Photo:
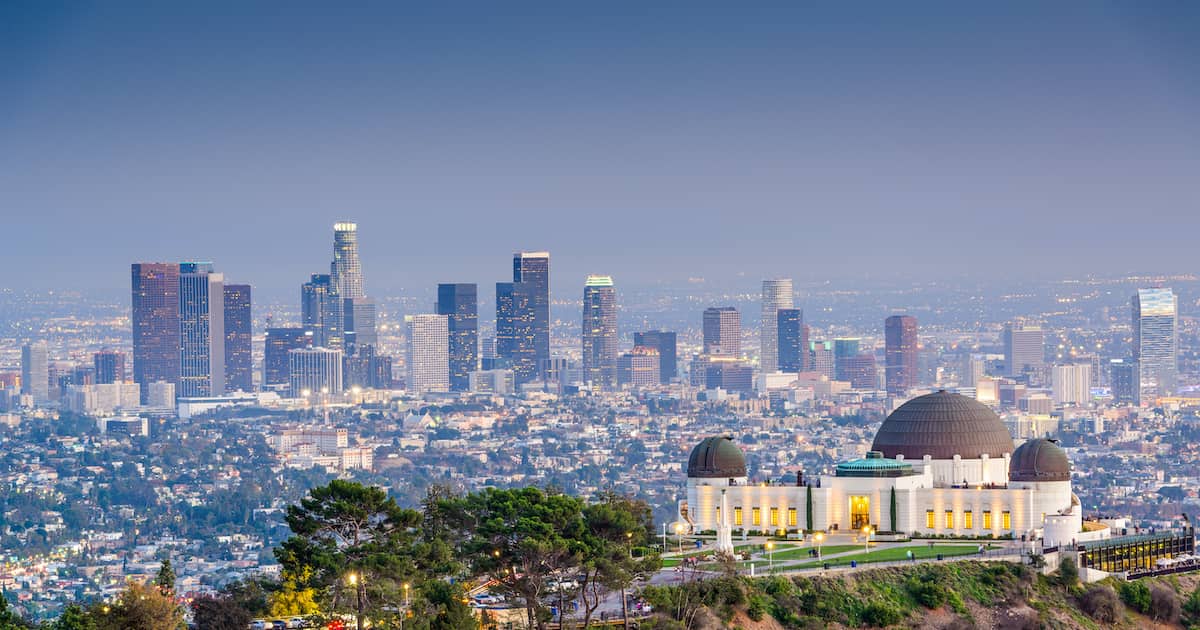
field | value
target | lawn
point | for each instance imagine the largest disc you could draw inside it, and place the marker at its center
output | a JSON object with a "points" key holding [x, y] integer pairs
{"points": [[892, 554], [802, 554]]}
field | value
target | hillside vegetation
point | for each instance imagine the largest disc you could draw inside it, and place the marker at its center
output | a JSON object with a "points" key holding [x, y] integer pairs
{"points": [[945, 595]]}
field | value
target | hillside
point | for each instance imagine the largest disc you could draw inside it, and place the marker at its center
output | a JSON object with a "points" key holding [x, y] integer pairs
{"points": [[950, 595]]}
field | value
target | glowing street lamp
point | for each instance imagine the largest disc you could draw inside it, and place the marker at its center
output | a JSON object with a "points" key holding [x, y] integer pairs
{"points": [[770, 556], [820, 537], [866, 530]]}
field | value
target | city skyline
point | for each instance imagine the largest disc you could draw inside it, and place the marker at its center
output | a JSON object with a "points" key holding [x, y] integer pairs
{"points": [[805, 117]]}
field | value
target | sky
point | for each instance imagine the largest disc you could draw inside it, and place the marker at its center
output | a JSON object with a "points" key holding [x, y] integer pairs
{"points": [[655, 142]]}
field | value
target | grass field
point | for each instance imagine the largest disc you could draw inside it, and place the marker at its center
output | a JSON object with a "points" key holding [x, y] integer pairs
{"points": [[802, 554], [893, 554]]}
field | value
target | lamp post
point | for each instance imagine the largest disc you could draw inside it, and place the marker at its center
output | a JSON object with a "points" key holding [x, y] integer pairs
{"points": [[819, 536], [679, 538], [770, 557], [624, 601], [866, 530], [358, 590]]}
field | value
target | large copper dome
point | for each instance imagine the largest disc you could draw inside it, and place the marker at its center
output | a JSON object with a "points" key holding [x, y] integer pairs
{"points": [[943, 425], [717, 457], [1039, 460]]}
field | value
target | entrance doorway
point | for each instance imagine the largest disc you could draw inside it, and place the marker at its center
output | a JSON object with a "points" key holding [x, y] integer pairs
{"points": [[860, 511]]}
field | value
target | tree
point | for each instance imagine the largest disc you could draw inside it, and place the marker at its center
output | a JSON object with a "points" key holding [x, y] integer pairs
{"points": [[520, 538], [139, 607], [10, 620], [1164, 604], [612, 528], [1101, 603], [165, 580], [295, 598], [72, 618], [1068, 573], [808, 508], [355, 536], [892, 510], [219, 613], [1136, 595], [444, 608]]}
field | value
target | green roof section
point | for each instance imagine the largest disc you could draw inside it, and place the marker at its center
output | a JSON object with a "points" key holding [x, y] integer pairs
{"points": [[874, 465], [599, 281]]}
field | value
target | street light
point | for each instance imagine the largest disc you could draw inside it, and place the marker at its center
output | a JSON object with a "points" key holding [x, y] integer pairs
{"points": [[770, 556], [866, 530], [819, 537], [358, 590], [679, 535]]}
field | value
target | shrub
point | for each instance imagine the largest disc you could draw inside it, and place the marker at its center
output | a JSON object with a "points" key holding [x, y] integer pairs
{"points": [[880, 615], [1101, 603], [759, 605], [927, 592], [1068, 572], [1136, 595], [1192, 607], [1164, 604]]}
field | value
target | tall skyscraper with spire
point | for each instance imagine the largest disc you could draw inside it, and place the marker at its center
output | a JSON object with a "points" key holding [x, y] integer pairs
{"points": [[600, 332], [155, 300], [1155, 341], [776, 294]]}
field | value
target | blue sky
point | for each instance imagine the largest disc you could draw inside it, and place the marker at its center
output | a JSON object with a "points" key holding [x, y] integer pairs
{"points": [[721, 140]]}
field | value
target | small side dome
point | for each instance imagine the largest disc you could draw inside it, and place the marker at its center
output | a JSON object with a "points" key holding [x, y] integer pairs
{"points": [[1039, 460], [716, 457]]}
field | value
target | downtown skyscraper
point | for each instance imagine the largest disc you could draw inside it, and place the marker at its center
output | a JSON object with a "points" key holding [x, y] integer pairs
{"points": [[722, 327], [792, 335], [335, 307], [1024, 348], [900, 354], [776, 294], [663, 342], [35, 371], [600, 332], [1155, 341], [201, 330], [428, 353], [523, 316], [460, 304], [155, 299], [239, 373]]}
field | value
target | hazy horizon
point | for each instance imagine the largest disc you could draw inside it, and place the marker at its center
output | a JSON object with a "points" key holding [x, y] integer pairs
{"points": [[652, 143]]}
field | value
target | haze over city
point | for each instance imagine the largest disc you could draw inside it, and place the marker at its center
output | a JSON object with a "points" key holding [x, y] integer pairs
{"points": [[652, 142]]}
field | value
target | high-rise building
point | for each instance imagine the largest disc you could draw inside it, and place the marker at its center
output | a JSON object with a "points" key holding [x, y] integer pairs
{"points": [[345, 272], [359, 321], [315, 371], [35, 371], [155, 288], [662, 341], [860, 371], [844, 349], [730, 375], [792, 340], [639, 367], [1024, 348], [322, 311], [776, 294], [1155, 341], [460, 303], [428, 353], [722, 331], [600, 332], [1071, 384], [201, 331], [900, 353], [1123, 379], [278, 343], [530, 295], [822, 360], [109, 366], [239, 370]]}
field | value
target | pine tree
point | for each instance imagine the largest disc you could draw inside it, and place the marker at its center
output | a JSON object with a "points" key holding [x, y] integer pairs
{"points": [[165, 580]]}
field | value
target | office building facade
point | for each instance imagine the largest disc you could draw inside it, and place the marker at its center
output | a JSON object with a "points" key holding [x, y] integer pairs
{"points": [[1024, 349], [600, 332], [239, 371], [900, 354], [277, 344], [792, 341], [201, 331], [722, 327], [109, 366], [460, 304], [639, 368], [776, 295], [1155, 341], [664, 342], [428, 353], [35, 371], [155, 320], [315, 371]]}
